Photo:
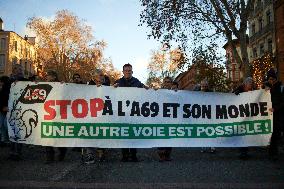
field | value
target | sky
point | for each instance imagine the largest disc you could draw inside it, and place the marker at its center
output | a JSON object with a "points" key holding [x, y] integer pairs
{"points": [[115, 21]]}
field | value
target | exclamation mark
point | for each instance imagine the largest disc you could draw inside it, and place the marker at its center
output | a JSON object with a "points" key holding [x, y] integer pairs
{"points": [[266, 127]]}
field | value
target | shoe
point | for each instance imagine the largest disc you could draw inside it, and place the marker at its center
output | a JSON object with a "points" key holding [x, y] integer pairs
{"points": [[124, 159], [203, 150], [212, 150], [90, 160], [102, 159]]}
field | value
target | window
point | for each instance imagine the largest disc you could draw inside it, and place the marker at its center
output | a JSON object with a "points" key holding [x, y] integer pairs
{"points": [[16, 46], [253, 28], [3, 44], [254, 52], [230, 74], [260, 23], [269, 45], [261, 49], [2, 62], [268, 16]]}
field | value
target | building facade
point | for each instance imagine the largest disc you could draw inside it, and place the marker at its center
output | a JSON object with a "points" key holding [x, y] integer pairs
{"points": [[186, 80], [234, 73], [15, 49], [279, 36], [261, 30], [199, 70]]}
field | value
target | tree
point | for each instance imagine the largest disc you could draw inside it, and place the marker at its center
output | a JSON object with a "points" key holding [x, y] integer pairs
{"points": [[164, 62], [208, 65], [66, 45], [200, 19]]}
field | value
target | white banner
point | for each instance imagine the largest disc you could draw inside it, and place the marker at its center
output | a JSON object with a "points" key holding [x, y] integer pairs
{"points": [[77, 115]]}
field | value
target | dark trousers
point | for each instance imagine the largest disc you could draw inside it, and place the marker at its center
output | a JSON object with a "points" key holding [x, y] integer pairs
{"points": [[275, 137], [16, 148], [129, 152], [50, 152], [274, 143], [166, 151]]}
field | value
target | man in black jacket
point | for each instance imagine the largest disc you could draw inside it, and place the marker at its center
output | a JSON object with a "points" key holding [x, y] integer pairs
{"points": [[77, 78], [5, 85], [129, 81], [277, 99]]}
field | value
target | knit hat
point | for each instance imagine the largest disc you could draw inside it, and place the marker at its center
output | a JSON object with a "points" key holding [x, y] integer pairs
{"points": [[271, 73]]}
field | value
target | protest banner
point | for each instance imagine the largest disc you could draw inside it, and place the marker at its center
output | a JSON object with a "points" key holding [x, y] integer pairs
{"points": [[75, 115]]}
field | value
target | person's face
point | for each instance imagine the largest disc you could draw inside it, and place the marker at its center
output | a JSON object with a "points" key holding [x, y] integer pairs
{"points": [[37, 78], [203, 86], [76, 79], [167, 84], [17, 70], [248, 87], [99, 78], [127, 72], [271, 81], [49, 78], [174, 87]]}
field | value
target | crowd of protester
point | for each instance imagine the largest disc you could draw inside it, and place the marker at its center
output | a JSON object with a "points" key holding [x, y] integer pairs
{"points": [[99, 79]]}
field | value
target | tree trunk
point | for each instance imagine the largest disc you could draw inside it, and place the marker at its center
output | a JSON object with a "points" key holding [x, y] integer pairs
{"points": [[245, 66]]}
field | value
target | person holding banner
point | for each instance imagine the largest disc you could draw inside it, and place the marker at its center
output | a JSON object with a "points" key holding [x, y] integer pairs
{"points": [[204, 87], [51, 76], [247, 85], [16, 148], [77, 79], [277, 99], [5, 85], [165, 152], [174, 86], [129, 154], [98, 79]]}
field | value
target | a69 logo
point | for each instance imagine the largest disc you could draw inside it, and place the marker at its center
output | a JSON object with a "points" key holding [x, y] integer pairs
{"points": [[35, 93]]}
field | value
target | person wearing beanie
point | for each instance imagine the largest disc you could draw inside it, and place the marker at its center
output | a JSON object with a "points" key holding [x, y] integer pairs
{"points": [[277, 99]]}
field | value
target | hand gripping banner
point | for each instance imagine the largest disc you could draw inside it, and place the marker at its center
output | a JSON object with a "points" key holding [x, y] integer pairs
{"points": [[77, 115]]}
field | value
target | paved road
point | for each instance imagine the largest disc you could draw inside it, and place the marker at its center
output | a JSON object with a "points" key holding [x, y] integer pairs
{"points": [[189, 169]]}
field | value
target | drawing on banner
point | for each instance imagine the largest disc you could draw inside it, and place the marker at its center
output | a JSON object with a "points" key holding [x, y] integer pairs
{"points": [[23, 121]]}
